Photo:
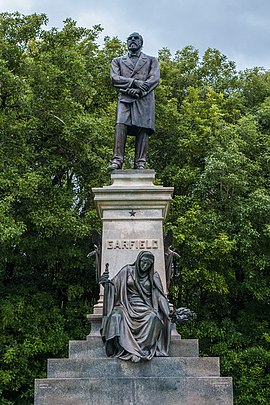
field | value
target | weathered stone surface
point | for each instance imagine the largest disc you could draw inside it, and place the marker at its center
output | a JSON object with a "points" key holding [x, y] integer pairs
{"points": [[157, 367], [132, 211], [84, 349], [93, 347], [184, 348], [136, 391]]}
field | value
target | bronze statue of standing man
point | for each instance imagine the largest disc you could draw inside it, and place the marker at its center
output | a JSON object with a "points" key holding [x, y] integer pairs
{"points": [[136, 75]]}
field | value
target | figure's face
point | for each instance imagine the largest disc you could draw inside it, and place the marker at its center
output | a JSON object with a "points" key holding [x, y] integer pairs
{"points": [[134, 42], [145, 264]]}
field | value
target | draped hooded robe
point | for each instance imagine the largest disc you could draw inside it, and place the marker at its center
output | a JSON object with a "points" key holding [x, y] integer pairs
{"points": [[136, 322]]}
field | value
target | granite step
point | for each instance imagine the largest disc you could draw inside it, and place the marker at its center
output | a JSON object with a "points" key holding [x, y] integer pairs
{"points": [[93, 347], [136, 391], [158, 367]]}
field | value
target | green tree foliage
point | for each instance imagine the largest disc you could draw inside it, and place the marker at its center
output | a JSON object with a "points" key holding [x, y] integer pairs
{"points": [[56, 132]]}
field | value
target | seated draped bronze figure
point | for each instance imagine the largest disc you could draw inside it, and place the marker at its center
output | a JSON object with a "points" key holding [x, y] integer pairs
{"points": [[136, 323]]}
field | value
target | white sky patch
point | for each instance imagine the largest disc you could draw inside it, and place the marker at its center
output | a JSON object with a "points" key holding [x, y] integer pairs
{"points": [[23, 6], [260, 23]]}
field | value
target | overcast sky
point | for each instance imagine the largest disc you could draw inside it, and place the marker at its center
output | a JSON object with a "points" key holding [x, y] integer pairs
{"points": [[240, 29]]}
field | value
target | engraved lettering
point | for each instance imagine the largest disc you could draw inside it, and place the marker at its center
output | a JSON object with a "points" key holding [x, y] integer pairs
{"points": [[155, 244], [142, 244], [125, 244], [109, 244], [117, 245], [132, 244]]}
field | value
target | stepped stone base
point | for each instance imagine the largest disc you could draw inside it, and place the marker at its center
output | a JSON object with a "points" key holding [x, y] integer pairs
{"points": [[93, 347], [88, 377], [135, 391], [157, 367]]}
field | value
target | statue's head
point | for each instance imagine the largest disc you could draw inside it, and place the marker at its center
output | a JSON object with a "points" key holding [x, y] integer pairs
{"points": [[146, 261], [134, 42]]}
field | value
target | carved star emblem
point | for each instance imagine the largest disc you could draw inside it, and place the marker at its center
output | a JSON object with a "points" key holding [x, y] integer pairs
{"points": [[132, 213]]}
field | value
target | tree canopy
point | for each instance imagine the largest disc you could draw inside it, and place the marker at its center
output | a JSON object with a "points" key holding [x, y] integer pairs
{"points": [[211, 144]]}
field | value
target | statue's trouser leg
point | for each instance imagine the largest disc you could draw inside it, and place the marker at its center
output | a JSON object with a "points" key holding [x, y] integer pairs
{"points": [[120, 137], [141, 146]]}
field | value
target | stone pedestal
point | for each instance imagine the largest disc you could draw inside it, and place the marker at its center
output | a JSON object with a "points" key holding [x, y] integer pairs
{"points": [[132, 210]]}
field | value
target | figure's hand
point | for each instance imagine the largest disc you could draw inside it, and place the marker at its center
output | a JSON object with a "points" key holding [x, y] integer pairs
{"points": [[140, 84], [104, 278], [134, 93]]}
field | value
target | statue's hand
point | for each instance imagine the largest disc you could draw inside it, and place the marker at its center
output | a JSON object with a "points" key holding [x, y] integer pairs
{"points": [[140, 84], [104, 278], [134, 93]]}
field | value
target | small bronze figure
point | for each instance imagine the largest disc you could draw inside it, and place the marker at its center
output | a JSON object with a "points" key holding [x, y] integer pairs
{"points": [[170, 256], [135, 75], [97, 242]]}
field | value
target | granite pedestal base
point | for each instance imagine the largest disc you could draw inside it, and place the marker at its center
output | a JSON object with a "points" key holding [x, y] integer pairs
{"points": [[87, 377]]}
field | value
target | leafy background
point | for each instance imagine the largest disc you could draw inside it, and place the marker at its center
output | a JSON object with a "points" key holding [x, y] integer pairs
{"points": [[211, 144]]}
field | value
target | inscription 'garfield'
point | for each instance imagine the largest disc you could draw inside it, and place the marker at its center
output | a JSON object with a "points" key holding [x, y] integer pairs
{"points": [[132, 244]]}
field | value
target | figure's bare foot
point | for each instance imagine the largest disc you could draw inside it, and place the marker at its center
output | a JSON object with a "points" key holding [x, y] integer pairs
{"points": [[161, 354], [135, 359], [145, 353]]}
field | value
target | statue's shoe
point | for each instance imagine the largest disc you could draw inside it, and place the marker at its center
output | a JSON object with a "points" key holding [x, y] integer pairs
{"points": [[139, 167], [114, 166]]}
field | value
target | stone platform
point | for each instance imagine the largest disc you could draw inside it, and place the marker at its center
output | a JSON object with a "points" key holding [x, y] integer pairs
{"points": [[88, 377]]}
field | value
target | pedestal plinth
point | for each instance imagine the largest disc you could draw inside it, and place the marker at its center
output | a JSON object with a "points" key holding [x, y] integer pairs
{"points": [[132, 210]]}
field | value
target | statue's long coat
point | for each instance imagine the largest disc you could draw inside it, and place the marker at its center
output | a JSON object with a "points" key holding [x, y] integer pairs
{"points": [[132, 111]]}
